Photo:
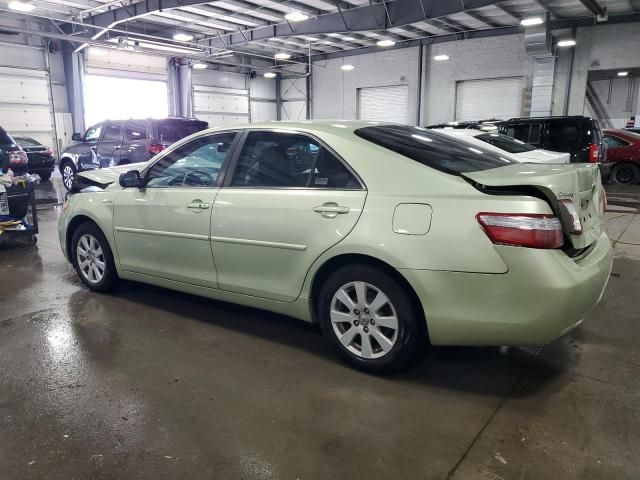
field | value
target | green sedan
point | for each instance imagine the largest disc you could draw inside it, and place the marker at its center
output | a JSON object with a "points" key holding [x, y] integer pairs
{"points": [[391, 237]]}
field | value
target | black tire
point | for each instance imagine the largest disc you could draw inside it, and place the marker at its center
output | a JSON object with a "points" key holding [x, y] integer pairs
{"points": [[625, 174], [409, 336], [45, 176], [68, 170], [109, 279]]}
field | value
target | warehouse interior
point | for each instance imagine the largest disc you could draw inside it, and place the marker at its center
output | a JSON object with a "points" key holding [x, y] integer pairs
{"points": [[148, 382]]}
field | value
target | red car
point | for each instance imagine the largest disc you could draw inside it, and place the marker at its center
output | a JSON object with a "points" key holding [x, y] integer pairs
{"points": [[623, 153]]}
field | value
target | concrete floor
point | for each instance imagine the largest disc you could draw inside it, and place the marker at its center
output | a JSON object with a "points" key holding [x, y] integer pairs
{"points": [[152, 384]]}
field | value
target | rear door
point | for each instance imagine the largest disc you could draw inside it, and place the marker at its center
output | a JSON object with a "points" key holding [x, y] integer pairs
{"points": [[108, 150], [287, 199], [134, 145]]}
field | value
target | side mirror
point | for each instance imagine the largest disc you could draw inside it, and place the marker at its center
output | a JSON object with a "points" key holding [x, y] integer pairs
{"points": [[130, 179], [76, 137]]}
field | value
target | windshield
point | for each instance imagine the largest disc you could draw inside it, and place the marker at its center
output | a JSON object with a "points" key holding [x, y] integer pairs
{"points": [[27, 142], [174, 130], [509, 144], [433, 149]]}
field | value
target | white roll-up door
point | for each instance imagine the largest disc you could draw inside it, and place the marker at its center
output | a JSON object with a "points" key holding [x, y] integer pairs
{"points": [[220, 106], [25, 104], [490, 98], [385, 104]]}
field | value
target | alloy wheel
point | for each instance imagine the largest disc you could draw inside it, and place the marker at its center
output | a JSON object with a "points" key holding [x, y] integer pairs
{"points": [[67, 176], [364, 320], [624, 174], [90, 258]]}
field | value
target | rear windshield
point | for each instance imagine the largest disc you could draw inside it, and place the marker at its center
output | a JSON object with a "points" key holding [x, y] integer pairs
{"points": [[5, 139], [174, 130], [27, 142], [505, 142], [433, 149]]}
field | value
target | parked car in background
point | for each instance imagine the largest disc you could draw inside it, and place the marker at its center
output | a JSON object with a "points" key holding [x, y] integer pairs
{"points": [[516, 149], [487, 125], [120, 142], [40, 157], [577, 135], [11, 154], [623, 155], [390, 236], [632, 130]]}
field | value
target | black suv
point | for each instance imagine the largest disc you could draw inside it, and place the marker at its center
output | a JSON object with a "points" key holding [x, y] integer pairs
{"points": [[118, 142], [580, 136]]}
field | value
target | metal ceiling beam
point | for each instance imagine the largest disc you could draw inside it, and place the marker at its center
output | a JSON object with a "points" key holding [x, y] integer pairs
{"points": [[594, 7]]}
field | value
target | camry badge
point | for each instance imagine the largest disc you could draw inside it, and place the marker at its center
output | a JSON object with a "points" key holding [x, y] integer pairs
{"points": [[565, 194]]}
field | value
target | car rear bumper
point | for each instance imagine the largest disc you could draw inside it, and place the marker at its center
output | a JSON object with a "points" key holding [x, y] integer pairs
{"points": [[543, 296]]}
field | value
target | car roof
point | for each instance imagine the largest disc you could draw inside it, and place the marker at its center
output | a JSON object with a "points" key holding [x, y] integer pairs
{"points": [[537, 119], [336, 127]]}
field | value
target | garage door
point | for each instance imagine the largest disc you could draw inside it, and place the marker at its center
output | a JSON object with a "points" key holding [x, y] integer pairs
{"points": [[220, 106], [25, 106], [491, 98], [386, 104]]}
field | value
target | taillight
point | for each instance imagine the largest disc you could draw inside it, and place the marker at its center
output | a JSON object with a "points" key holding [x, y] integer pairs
{"points": [[522, 230], [18, 157], [594, 153], [156, 148], [570, 216], [47, 152]]}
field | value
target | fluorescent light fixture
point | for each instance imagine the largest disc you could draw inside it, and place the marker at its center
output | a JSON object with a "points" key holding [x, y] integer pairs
{"points": [[200, 66], [385, 43], [441, 58], [269, 75], [282, 56], [183, 37], [129, 44], [98, 52], [623, 74], [531, 21], [21, 7], [347, 68], [296, 16], [566, 43]]}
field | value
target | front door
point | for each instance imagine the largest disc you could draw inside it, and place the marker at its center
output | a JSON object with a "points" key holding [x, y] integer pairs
{"points": [[163, 228], [288, 200]]}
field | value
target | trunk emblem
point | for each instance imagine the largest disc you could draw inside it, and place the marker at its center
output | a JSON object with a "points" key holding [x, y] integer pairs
{"points": [[565, 194]]}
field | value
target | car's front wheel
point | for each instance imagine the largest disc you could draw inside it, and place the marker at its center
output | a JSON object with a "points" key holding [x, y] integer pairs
{"points": [[92, 258], [68, 171], [370, 319]]}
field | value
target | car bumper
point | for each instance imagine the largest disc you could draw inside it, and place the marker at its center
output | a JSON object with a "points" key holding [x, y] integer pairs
{"points": [[46, 166], [544, 295]]}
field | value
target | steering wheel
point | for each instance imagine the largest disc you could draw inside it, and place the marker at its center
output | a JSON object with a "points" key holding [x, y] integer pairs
{"points": [[208, 179]]}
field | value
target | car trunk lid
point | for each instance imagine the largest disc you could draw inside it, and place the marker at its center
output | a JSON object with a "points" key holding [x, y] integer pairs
{"points": [[577, 182]]}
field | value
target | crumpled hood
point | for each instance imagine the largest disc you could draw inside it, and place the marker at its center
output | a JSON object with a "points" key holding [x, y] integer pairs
{"points": [[106, 176], [542, 156]]}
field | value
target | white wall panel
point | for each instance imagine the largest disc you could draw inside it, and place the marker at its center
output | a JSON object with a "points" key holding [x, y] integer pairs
{"points": [[489, 98], [262, 111], [220, 106], [294, 110]]}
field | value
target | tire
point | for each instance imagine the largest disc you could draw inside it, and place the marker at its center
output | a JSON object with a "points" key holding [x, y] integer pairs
{"points": [[68, 171], [625, 174], [45, 176], [90, 245], [371, 347]]}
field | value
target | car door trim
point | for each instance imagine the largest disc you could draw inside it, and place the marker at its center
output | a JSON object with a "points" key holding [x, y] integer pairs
{"points": [[260, 243], [161, 233]]}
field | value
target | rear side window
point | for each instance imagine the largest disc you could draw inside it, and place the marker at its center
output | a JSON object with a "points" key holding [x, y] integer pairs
{"points": [[113, 132], [174, 130], [505, 142], [614, 142], [563, 136], [525, 132], [135, 131], [433, 149]]}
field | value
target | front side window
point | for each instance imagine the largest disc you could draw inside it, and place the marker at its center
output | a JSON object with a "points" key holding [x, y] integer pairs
{"points": [[135, 131], [433, 149], [113, 132], [505, 142], [195, 164], [93, 133]]}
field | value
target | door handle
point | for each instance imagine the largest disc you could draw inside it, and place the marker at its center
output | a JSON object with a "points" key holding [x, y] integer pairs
{"points": [[331, 209], [198, 205]]}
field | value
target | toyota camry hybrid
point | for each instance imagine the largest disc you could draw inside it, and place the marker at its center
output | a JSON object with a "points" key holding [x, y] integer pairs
{"points": [[391, 237]]}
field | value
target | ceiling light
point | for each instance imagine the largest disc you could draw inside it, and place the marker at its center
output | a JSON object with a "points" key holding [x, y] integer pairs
{"points": [[269, 75], [347, 68], [530, 21], [21, 7], [200, 66], [441, 58], [385, 43], [566, 43], [295, 16], [183, 37], [282, 56], [623, 74]]}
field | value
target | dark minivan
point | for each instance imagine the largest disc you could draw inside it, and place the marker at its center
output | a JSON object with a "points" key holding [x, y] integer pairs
{"points": [[580, 136], [119, 142]]}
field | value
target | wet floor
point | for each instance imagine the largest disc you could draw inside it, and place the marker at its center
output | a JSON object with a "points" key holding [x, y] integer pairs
{"points": [[151, 384]]}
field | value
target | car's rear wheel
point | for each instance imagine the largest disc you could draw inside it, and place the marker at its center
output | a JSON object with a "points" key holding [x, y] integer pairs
{"points": [[68, 171], [92, 258], [369, 319], [626, 174]]}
